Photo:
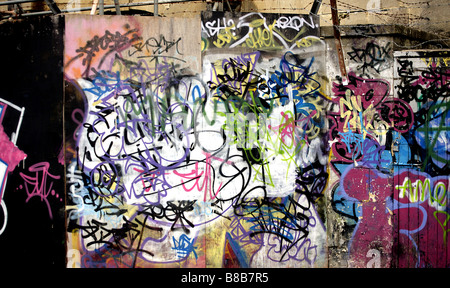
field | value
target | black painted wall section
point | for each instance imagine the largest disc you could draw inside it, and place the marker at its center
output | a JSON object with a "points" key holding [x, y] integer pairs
{"points": [[34, 197]]}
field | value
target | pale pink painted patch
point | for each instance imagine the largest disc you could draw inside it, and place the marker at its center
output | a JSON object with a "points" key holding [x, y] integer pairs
{"points": [[87, 33]]}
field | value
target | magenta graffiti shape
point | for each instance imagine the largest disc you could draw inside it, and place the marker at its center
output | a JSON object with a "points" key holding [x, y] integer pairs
{"points": [[397, 113], [404, 217], [373, 230], [434, 76], [207, 173], [421, 216], [39, 184]]}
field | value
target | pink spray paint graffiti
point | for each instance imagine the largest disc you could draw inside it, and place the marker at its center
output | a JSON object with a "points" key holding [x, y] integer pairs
{"points": [[38, 185]]}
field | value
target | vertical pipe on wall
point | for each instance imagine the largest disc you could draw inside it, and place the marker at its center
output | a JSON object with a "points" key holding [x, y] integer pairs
{"points": [[117, 5], [101, 7], [337, 40], [156, 7]]}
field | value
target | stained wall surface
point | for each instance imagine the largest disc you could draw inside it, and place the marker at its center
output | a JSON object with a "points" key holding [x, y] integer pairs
{"points": [[232, 140]]}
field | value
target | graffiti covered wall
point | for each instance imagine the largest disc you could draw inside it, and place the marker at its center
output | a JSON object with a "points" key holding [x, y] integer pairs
{"points": [[226, 140], [131, 150], [32, 214], [265, 73], [421, 179], [245, 148]]}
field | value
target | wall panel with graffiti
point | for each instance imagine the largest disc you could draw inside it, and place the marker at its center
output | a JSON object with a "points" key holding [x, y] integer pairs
{"points": [[132, 142], [223, 140], [32, 215], [389, 160], [421, 199], [186, 159], [265, 74]]}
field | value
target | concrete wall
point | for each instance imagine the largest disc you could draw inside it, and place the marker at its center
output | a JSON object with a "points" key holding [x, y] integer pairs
{"points": [[256, 152], [226, 140], [407, 94]]}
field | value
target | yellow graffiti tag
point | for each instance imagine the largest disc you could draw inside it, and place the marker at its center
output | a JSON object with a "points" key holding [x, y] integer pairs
{"points": [[306, 42], [421, 190], [357, 119], [225, 36], [436, 61]]}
